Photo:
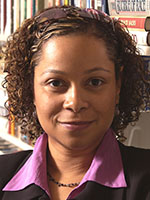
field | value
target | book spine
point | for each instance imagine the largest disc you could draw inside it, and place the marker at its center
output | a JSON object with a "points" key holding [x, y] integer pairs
{"points": [[133, 22], [88, 4], [71, 2], [98, 4], [66, 2], [22, 8], [36, 5], [2, 17], [50, 3], [8, 18], [45, 3], [93, 3], [128, 8], [40, 5], [25, 9], [5, 14], [12, 16], [77, 3], [140, 37], [57, 2], [16, 14], [33, 7], [29, 8]]}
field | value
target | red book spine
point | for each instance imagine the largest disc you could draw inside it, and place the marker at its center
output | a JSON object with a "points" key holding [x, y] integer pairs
{"points": [[133, 22]]}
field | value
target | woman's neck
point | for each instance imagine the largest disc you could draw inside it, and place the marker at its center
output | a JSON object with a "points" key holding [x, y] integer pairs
{"points": [[65, 164]]}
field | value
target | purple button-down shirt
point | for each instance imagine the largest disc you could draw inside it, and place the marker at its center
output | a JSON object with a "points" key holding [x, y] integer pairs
{"points": [[106, 167]]}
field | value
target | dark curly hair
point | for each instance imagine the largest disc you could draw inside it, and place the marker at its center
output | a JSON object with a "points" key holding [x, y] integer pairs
{"points": [[23, 50]]}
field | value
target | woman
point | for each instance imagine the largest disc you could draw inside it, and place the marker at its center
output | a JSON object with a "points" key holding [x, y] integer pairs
{"points": [[75, 81]]}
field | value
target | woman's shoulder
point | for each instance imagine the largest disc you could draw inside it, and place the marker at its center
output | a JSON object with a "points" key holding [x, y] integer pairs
{"points": [[135, 160], [131, 151], [16, 157], [11, 163]]}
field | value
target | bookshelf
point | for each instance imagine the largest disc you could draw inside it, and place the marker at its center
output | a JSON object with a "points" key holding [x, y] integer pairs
{"points": [[12, 15], [14, 12], [133, 14]]}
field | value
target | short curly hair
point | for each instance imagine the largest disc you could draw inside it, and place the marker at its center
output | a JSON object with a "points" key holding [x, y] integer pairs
{"points": [[23, 50]]}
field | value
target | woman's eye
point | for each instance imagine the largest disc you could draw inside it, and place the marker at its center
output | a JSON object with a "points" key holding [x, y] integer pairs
{"points": [[95, 82], [56, 83]]}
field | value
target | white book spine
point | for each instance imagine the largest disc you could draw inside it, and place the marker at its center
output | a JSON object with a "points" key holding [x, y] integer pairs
{"points": [[8, 17], [29, 8], [140, 37], [2, 17], [99, 4], [77, 3], [46, 3], [22, 11], [95, 5], [16, 14], [89, 4]]}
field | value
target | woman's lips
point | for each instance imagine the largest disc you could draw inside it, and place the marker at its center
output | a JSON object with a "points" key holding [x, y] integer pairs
{"points": [[76, 125]]}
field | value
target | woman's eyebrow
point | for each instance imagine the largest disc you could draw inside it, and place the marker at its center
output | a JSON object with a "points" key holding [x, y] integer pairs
{"points": [[53, 71], [86, 72], [97, 69]]}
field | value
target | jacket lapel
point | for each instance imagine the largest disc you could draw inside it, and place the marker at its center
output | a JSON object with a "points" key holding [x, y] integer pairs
{"points": [[31, 192]]}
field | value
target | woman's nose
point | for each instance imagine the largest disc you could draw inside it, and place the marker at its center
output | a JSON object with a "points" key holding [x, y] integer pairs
{"points": [[75, 100]]}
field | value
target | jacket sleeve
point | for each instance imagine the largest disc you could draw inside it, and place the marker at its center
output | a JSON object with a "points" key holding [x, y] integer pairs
{"points": [[10, 164]]}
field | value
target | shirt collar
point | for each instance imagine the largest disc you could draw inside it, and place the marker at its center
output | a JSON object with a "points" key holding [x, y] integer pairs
{"points": [[34, 171], [106, 167]]}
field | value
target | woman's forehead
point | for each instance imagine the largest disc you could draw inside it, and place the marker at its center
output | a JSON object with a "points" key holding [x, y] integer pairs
{"points": [[74, 52]]}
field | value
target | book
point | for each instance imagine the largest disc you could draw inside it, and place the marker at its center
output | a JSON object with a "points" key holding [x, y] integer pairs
{"points": [[0, 17], [136, 27], [46, 3], [148, 39], [147, 24], [50, 3], [83, 3], [129, 7], [3, 16], [36, 5], [33, 7], [66, 2], [58, 2], [132, 22], [77, 3], [29, 9], [100, 5], [89, 4], [22, 11], [40, 5], [71, 2], [8, 18], [5, 13], [16, 12], [25, 9]]}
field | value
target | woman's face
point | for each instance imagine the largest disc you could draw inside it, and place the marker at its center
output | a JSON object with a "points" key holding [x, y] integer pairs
{"points": [[75, 91]]}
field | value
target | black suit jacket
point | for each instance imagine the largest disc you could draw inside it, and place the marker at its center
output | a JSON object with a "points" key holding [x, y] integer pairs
{"points": [[136, 167]]}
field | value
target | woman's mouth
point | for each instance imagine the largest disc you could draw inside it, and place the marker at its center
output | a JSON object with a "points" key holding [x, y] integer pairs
{"points": [[76, 125]]}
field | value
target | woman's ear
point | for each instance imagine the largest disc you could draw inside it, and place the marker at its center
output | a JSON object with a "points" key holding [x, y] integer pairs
{"points": [[34, 102]]}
